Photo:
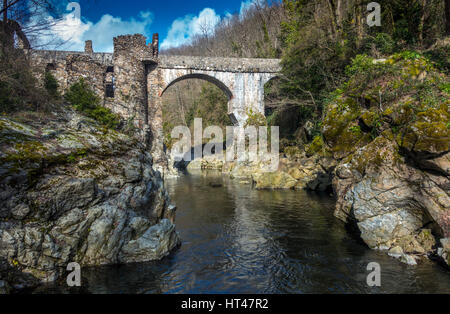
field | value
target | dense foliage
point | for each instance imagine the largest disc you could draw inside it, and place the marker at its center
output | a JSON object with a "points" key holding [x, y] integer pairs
{"points": [[83, 99], [322, 37]]}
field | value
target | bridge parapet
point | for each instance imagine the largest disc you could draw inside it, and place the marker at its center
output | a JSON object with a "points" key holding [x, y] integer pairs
{"points": [[233, 65]]}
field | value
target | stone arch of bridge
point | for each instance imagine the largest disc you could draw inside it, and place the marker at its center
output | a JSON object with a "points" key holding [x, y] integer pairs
{"points": [[204, 77], [267, 106]]}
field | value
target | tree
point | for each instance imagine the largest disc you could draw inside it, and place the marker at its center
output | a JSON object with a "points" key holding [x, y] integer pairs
{"points": [[252, 33], [29, 20], [19, 88]]}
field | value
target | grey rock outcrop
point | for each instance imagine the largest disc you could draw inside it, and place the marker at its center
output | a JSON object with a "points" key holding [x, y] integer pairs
{"points": [[392, 177], [71, 191], [393, 203]]}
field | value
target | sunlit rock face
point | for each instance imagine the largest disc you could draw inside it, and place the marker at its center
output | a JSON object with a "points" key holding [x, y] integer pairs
{"points": [[72, 191], [393, 163]]}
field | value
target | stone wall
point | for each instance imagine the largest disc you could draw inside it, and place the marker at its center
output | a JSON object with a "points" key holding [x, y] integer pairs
{"points": [[155, 87], [130, 99], [69, 66]]}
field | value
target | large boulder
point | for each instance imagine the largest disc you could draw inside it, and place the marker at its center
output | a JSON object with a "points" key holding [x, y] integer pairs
{"points": [[311, 173], [273, 180], [71, 191], [210, 162], [392, 174]]}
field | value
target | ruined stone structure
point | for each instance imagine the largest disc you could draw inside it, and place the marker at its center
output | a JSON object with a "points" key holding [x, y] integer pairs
{"points": [[132, 80], [11, 30]]}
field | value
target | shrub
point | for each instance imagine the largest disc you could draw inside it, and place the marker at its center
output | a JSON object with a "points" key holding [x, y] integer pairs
{"points": [[255, 118], [105, 116], [360, 64], [384, 43], [81, 96], [84, 100], [407, 55], [51, 84]]}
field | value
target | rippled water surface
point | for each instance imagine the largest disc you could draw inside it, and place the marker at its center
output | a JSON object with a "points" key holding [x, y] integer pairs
{"points": [[239, 240]]}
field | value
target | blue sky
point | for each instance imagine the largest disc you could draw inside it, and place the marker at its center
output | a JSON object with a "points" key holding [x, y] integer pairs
{"points": [[176, 21]]}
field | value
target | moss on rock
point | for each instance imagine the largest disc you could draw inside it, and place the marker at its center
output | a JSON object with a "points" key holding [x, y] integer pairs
{"points": [[403, 95], [316, 146], [380, 151], [429, 133]]}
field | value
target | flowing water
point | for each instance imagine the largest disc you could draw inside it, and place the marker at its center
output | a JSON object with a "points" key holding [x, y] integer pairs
{"points": [[239, 240]]}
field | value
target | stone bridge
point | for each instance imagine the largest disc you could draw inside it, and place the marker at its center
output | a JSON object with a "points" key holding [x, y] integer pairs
{"points": [[132, 80], [242, 80]]}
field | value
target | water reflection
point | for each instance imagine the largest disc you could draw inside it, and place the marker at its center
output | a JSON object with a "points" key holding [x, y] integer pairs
{"points": [[240, 240]]}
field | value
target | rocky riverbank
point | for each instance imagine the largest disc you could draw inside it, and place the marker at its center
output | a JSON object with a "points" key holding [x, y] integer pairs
{"points": [[390, 140], [383, 150], [387, 206], [294, 172], [74, 191]]}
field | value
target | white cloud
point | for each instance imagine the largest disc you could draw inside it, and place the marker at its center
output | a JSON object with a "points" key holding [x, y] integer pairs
{"points": [[245, 5], [184, 29], [74, 32]]}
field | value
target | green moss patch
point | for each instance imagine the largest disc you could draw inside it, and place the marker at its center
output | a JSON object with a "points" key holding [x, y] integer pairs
{"points": [[316, 146], [403, 99], [429, 133]]}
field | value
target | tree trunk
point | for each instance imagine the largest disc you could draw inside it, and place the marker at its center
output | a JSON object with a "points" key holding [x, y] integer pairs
{"points": [[339, 16], [447, 17], [422, 20], [359, 23], [5, 14], [332, 9]]}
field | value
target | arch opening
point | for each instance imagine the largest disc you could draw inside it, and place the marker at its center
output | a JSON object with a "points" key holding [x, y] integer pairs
{"points": [[190, 97], [204, 77], [288, 115], [271, 96], [50, 67]]}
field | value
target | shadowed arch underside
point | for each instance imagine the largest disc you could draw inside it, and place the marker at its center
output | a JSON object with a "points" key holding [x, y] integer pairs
{"points": [[204, 77]]}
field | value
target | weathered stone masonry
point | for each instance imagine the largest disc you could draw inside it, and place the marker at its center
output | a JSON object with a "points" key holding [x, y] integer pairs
{"points": [[132, 80]]}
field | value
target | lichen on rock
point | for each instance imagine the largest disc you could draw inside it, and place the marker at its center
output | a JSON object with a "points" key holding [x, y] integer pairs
{"points": [[390, 140], [72, 191]]}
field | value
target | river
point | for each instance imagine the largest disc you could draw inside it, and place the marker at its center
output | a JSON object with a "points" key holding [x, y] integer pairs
{"points": [[236, 239]]}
